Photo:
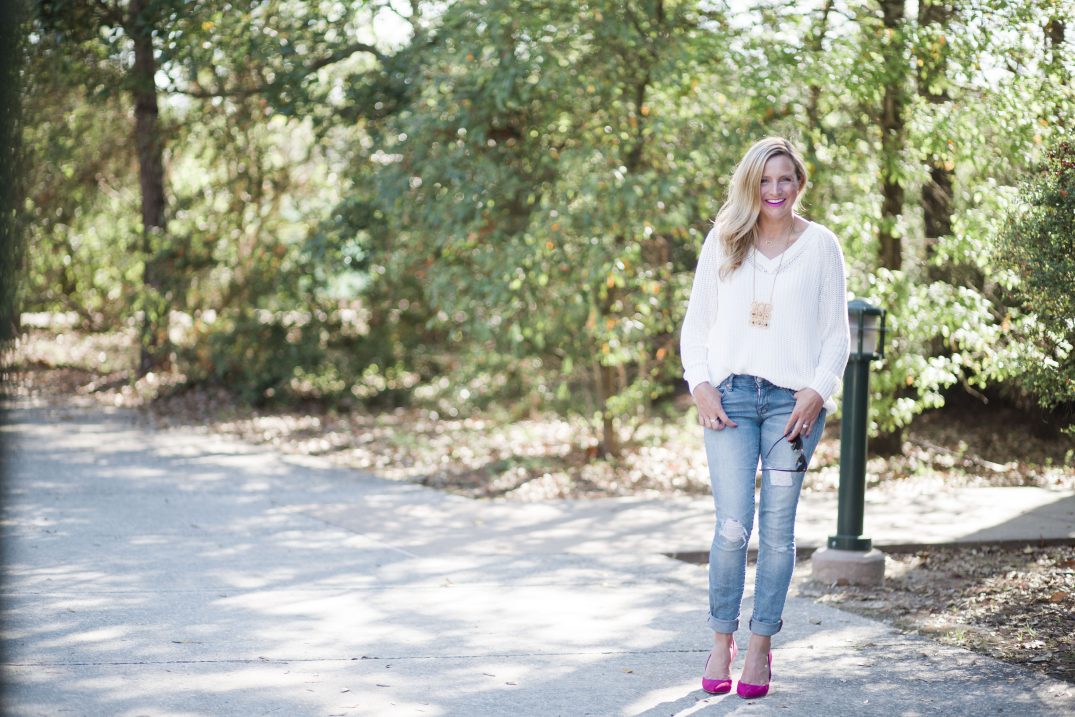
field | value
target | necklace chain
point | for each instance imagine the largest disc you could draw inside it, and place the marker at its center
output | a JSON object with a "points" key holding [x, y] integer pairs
{"points": [[762, 313]]}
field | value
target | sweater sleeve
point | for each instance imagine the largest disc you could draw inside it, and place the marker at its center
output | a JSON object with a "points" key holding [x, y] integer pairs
{"points": [[701, 312], [832, 322]]}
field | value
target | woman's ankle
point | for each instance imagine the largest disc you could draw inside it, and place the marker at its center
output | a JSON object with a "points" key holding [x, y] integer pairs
{"points": [[760, 643], [722, 639]]}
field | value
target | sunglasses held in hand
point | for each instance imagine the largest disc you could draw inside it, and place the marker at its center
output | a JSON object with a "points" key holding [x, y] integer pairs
{"points": [[797, 446]]}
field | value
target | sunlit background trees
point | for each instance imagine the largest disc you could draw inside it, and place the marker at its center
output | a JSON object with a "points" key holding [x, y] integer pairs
{"points": [[481, 201]]}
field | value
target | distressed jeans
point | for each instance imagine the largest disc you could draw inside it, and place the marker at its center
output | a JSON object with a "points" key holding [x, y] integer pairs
{"points": [[761, 409]]}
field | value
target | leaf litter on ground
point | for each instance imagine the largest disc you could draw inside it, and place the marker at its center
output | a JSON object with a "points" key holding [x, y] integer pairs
{"points": [[1013, 604]]}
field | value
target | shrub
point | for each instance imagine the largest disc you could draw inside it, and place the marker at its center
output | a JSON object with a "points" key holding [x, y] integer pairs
{"points": [[1037, 252]]}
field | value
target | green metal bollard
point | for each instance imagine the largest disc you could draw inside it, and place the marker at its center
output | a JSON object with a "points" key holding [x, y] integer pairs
{"points": [[867, 343]]}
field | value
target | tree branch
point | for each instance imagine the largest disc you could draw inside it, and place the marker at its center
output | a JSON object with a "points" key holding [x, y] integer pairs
{"points": [[110, 14], [342, 54], [332, 58]]}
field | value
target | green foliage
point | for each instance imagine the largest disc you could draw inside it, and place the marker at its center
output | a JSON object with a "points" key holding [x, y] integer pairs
{"points": [[937, 335], [263, 356], [1037, 248], [549, 215], [513, 201], [82, 203], [951, 323]]}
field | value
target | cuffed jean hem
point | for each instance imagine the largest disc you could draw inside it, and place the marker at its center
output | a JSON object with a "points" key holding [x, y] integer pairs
{"points": [[765, 629], [727, 627]]}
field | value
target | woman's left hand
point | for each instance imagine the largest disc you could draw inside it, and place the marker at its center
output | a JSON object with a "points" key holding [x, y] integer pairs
{"points": [[808, 404]]}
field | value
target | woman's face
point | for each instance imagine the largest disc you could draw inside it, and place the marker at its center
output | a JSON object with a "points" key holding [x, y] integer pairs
{"points": [[779, 187]]}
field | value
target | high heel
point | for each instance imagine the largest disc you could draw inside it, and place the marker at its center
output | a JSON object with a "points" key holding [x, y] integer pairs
{"points": [[748, 691], [720, 687]]}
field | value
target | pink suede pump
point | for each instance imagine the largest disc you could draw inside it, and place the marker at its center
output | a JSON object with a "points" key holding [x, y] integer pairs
{"points": [[749, 692], [720, 687]]}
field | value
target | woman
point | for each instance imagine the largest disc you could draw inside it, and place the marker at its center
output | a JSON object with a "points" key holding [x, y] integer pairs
{"points": [[764, 345]]}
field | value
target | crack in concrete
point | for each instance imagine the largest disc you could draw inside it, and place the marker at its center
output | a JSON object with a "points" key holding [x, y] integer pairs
{"points": [[286, 660]]}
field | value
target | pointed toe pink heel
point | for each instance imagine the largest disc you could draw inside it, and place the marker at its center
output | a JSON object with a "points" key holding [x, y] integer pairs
{"points": [[749, 692], [720, 687]]}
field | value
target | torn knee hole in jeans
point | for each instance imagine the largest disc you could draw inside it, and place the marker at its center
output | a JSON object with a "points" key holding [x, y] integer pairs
{"points": [[733, 534]]}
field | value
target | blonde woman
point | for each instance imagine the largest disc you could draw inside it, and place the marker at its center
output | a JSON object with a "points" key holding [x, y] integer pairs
{"points": [[764, 345]]}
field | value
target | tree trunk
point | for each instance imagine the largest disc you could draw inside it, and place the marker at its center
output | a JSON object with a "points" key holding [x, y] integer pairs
{"points": [[13, 31], [154, 338], [890, 252], [1055, 31], [610, 439], [1054, 34], [892, 135], [932, 86], [609, 378], [814, 46]]}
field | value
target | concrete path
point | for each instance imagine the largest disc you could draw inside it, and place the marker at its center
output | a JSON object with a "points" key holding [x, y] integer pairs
{"points": [[173, 573]]}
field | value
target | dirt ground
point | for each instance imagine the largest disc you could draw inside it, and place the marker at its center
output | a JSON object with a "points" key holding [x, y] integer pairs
{"points": [[1014, 604]]}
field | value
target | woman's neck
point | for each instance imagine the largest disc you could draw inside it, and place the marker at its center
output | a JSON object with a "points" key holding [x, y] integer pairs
{"points": [[773, 229]]}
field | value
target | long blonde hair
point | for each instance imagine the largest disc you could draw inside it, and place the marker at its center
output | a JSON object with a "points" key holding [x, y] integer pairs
{"points": [[737, 220]]}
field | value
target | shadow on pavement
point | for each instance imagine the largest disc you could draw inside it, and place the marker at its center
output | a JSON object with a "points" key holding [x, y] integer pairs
{"points": [[171, 572]]}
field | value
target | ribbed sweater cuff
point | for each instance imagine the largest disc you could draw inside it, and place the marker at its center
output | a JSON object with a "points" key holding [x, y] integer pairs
{"points": [[696, 375], [825, 383]]}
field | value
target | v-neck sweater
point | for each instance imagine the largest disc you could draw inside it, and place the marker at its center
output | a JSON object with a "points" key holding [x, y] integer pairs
{"points": [[807, 342]]}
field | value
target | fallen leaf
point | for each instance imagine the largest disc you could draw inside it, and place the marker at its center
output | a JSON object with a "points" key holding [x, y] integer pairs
{"points": [[1058, 596]]}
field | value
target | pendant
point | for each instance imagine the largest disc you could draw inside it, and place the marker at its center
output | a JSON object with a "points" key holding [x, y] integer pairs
{"points": [[760, 313]]}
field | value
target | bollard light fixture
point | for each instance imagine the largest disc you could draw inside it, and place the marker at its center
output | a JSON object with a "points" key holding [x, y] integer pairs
{"points": [[849, 555], [867, 324]]}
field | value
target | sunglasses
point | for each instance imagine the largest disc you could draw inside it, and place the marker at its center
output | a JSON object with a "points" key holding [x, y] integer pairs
{"points": [[797, 446]]}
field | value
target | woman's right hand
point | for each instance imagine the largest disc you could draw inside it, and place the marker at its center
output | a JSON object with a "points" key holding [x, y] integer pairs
{"points": [[710, 413]]}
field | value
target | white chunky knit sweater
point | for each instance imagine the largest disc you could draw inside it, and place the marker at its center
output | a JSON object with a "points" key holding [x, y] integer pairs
{"points": [[807, 342]]}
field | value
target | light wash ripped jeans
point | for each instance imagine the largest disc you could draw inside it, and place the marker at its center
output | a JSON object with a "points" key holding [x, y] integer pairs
{"points": [[761, 409]]}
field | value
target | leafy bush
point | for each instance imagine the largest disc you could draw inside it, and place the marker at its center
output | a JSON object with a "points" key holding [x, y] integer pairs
{"points": [[937, 335], [1037, 250], [254, 355], [265, 356]]}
